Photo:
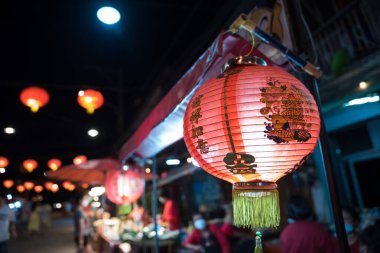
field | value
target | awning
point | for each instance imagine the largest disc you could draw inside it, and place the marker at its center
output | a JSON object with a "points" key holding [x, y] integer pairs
{"points": [[163, 126]]}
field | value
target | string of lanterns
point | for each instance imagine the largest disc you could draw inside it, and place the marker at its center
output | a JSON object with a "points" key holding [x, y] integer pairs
{"points": [[36, 97]]}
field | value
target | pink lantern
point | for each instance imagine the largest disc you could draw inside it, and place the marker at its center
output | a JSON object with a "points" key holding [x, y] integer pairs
{"points": [[125, 186]]}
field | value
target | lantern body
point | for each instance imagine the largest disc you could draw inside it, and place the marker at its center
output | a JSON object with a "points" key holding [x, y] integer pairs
{"points": [[28, 185], [48, 185], [251, 126], [20, 188], [54, 164], [90, 100], [3, 162], [54, 188], [68, 186], [80, 159], [8, 183], [85, 185], [34, 98], [30, 165], [125, 186], [38, 188]]}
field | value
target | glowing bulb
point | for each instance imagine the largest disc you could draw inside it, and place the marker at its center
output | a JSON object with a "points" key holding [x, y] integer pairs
{"points": [[9, 130], [108, 15], [81, 93], [148, 170], [172, 162], [2, 170], [188, 160], [363, 85], [93, 132]]}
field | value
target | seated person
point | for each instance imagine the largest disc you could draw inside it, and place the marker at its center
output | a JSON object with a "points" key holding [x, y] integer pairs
{"points": [[302, 234], [206, 238], [170, 217]]}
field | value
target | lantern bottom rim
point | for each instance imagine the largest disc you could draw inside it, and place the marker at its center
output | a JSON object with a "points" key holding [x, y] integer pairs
{"points": [[255, 186]]}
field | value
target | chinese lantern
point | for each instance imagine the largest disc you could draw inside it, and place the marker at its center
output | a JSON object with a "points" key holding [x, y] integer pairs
{"points": [[48, 185], [8, 183], [3, 162], [54, 188], [54, 164], [38, 188], [20, 188], [34, 98], [124, 186], [68, 186], [90, 100], [30, 165], [251, 126], [85, 185], [28, 185], [79, 159]]}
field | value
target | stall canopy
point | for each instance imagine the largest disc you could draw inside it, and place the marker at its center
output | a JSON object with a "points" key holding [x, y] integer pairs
{"points": [[163, 126]]}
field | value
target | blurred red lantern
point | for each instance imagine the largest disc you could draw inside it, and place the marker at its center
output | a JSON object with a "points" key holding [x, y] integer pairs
{"points": [[79, 159], [30, 165], [125, 186], [8, 183], [54, 188], [54, 164], [251, 126], [38, 188], [68, 186], [90, 100], [20, 188], [48, 185], [3, 162], [85, 185], [28, 185], [34, 98]]}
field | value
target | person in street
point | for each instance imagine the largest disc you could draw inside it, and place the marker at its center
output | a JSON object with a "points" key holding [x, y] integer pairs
{"points": [[7, 225], [206, 238], [302, 234], [170, 217], [34, 220], [83, 227], [45, 215]]}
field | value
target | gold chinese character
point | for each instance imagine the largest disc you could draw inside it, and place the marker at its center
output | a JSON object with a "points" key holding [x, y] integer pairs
{"points": [[196, 131], [195, 116], [196, 102]]}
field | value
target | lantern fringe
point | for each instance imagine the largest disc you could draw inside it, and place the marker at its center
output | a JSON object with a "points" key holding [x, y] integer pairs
{"points": [[256, 208]]}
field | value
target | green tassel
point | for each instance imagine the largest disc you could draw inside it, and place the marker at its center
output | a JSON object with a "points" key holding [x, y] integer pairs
{"points": [[259, 246], [256, 208]]}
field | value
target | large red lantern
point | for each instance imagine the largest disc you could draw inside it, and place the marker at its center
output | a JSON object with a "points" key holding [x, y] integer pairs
{"points": [[54, 164], [34, 97], [8, 183], [80, 159], [251, 126], [20, 188], [125, 186], [90, 100], [3, 162], [30, 165], [28, 185], [38, 188]]}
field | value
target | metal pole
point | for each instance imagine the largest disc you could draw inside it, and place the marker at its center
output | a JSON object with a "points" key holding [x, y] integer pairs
{"points": [[154, 204], [323, 148], [143, 200]]}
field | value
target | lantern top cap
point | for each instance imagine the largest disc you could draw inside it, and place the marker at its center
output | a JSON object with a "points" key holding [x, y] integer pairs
{"points": [[243, 60]]}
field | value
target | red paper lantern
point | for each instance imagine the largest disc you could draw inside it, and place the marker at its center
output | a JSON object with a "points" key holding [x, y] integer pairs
{"points": [[48, 185], [34, 98], [125, 186], [54, 164], [8, 183], [85, 185], [30, 165], [90, 100], [251, 126], [38, 188], [3, 162], [20, 188], [68, 186], [79, 159], [28, 185], [54, 188]]}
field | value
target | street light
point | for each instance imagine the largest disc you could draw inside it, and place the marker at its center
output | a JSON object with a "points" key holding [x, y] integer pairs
{"points": [[108, 15]]}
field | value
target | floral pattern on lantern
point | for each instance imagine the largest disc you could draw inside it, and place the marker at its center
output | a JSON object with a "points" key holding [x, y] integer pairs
{"points": [[8, 183], [54, 164], [125, 186], [251, 126], [90, 100], [30, 165], [34, 97]]}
